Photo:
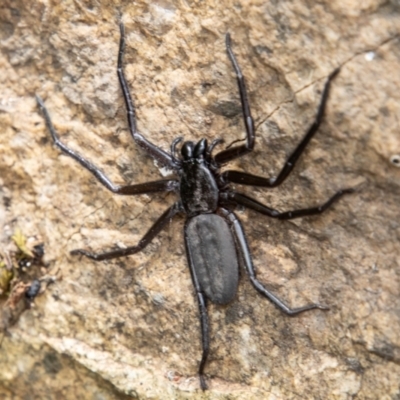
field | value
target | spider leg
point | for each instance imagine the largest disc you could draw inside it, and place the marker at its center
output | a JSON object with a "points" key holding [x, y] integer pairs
{"points": [[246, 201], [146, 239], [149, 187], [205, 337], [238, 151], [248, 263], [248, 179], [153, 150], [202, 303]]}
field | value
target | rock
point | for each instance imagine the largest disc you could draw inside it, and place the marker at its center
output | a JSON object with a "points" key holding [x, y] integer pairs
{"points": [[129, 328]]}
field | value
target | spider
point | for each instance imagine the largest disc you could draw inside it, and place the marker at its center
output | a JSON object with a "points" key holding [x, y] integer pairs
{"points": [[214, 237]]}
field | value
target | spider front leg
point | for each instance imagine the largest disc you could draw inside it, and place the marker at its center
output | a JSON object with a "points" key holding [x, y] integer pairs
{"points": [[165, 218], [254, 180], [238, 151], [142, 188], [154, 151]]}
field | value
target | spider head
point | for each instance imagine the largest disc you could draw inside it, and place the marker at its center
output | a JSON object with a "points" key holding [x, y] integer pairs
{"points": [[192, 152]]}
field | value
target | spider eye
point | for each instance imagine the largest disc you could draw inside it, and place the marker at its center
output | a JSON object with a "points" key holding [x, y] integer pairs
{"points": [[187, 150]]}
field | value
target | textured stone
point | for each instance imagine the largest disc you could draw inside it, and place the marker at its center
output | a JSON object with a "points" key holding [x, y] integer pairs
{"points": [[129, 328]]}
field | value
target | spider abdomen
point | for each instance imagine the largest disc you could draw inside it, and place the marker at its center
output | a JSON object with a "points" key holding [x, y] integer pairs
{"points": [[211, 248]]}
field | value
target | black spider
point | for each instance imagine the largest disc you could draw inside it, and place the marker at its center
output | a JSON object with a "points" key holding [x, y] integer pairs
{"points": [[214, 237]]}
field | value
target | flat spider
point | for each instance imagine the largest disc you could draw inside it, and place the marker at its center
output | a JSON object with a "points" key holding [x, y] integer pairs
{"points": [[214, 237]]}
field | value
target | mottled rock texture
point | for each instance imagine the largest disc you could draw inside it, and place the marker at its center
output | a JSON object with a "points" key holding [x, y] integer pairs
{"points": [[129, 328]]}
